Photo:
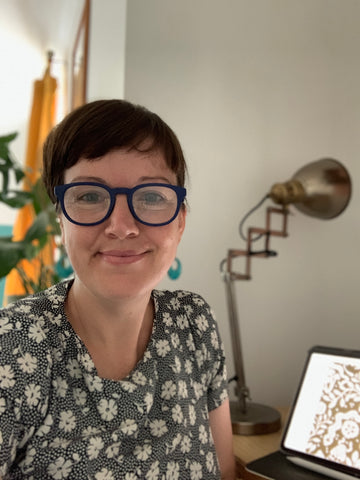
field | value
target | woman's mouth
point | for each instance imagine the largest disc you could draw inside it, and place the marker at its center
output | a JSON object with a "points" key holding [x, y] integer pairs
{"points": [[122, 257]]}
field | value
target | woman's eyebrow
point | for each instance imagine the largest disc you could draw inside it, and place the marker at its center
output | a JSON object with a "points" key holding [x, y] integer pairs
{"points": [[83, 178], [155, 177]]}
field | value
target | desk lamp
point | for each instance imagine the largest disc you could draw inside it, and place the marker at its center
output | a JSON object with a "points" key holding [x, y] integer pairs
{"points": [[320, 189]]}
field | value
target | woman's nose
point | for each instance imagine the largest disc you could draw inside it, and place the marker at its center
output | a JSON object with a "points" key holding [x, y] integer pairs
{"points": [[121, 222]]}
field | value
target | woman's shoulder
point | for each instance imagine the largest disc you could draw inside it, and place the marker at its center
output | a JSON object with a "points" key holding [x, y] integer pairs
{"points": [[186, 310], [177, 300], [30, 319]]}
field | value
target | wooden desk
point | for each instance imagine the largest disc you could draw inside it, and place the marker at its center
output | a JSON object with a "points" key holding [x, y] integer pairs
{"points": [[250, 447]]}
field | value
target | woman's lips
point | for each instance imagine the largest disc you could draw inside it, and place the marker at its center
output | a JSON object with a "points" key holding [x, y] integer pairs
{"points": [[118, 257]]}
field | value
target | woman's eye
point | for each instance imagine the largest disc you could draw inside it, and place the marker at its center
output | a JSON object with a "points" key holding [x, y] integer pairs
{"points": [[90, 197], [152, 198]]}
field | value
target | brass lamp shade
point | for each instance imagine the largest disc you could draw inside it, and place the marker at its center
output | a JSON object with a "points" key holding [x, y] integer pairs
{"points": [[320, 189]]}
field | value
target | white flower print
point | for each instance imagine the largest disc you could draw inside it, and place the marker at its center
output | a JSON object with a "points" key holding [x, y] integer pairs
{"points": [[139, 378], [128, 427], [60, 443], [158, 428], [2, 405], [55, 319], [202, 323], [104, 474], [94, 383], [203, 436], [190, 343], [210, 461], [171, 447], [87, 362], [27, 363], [174, 302], [23, 308], [177, 414], [61, 468], [44, 429], [131, 476], [176, 367], [73, 368], [167, 319], [67, 421], [168, 390], [94, 447], [183, 393], [90, 431], [148, 400], [182, 321], [195, 471], [186, 444], [198, 301], [107, 409], [154, 472], [199, 355], [192, 414], [60, 386], [5, 326], [172, 471], [156, 410], [79, 396], [29, 459], [6, 376], [143, 452], [128, 386], [188, 367], [175, 340], [214, 340], [36, 333], [198, 389], [162, 348], [33, 394], [113, 450]]}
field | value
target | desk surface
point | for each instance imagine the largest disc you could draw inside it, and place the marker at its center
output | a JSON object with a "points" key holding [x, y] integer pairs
{"points": [[250, 447]]}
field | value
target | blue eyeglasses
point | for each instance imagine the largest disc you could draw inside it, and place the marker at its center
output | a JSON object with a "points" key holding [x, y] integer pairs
{"points": [[89, 203]]}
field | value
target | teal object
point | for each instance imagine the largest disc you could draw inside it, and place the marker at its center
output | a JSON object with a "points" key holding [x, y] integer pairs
{"points": [[63, 267], [174, 271]]}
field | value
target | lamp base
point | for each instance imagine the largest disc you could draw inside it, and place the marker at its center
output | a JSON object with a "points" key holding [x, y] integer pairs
{"points": [[257, 420]]}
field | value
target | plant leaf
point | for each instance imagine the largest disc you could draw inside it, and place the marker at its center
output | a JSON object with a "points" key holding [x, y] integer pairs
{"points": [[10, 255], [39, 228]]}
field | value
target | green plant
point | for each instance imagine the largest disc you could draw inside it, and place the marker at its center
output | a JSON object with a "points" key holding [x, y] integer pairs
{"points": [[43, 229]]}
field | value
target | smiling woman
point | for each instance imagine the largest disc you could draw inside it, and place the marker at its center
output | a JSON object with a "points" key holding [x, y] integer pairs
{"points": [[122, 380]]}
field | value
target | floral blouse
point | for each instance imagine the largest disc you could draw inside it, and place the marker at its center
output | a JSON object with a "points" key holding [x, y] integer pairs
{"points": [[60, 420]]}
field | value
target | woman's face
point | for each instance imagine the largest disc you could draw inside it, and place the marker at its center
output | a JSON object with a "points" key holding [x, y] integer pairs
{"points": [[121, 257]]}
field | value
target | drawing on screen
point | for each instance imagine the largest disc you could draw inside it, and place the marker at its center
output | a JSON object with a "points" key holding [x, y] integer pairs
{"points": [[335, 433]]}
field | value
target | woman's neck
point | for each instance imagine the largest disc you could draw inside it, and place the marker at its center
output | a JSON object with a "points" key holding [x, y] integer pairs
{"points": [[116, 333]]}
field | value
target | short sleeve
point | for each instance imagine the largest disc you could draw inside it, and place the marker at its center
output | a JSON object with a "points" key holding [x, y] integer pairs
{"points": [[210, 354], [218, 387], [24, 382]]}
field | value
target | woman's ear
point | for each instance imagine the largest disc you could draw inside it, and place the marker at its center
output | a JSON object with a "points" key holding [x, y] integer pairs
{"points": [[182, 220]]}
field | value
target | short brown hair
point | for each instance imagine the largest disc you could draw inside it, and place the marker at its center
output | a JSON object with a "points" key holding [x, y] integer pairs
{"points": [[99, 127]]}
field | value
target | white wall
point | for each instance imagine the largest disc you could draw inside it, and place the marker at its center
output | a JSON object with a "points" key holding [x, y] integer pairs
{"points": [[28, 30], [255, 89], [22, 60], [106, 75]]}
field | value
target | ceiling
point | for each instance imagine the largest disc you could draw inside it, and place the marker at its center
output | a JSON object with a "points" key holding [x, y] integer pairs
{"points": [[53, 23]]}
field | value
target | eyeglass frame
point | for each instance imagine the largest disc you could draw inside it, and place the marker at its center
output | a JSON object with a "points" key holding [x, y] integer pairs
{"points": [[60, 190]]}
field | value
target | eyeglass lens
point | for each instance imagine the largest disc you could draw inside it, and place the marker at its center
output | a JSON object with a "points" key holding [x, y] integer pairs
{"points": [[88, 204]]}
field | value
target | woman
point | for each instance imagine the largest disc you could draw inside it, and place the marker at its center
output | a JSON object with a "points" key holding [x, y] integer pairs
{"points": [[102, 376]]}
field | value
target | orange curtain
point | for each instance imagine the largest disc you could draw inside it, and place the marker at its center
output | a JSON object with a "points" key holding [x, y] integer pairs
{"points": [[42, 119]]}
